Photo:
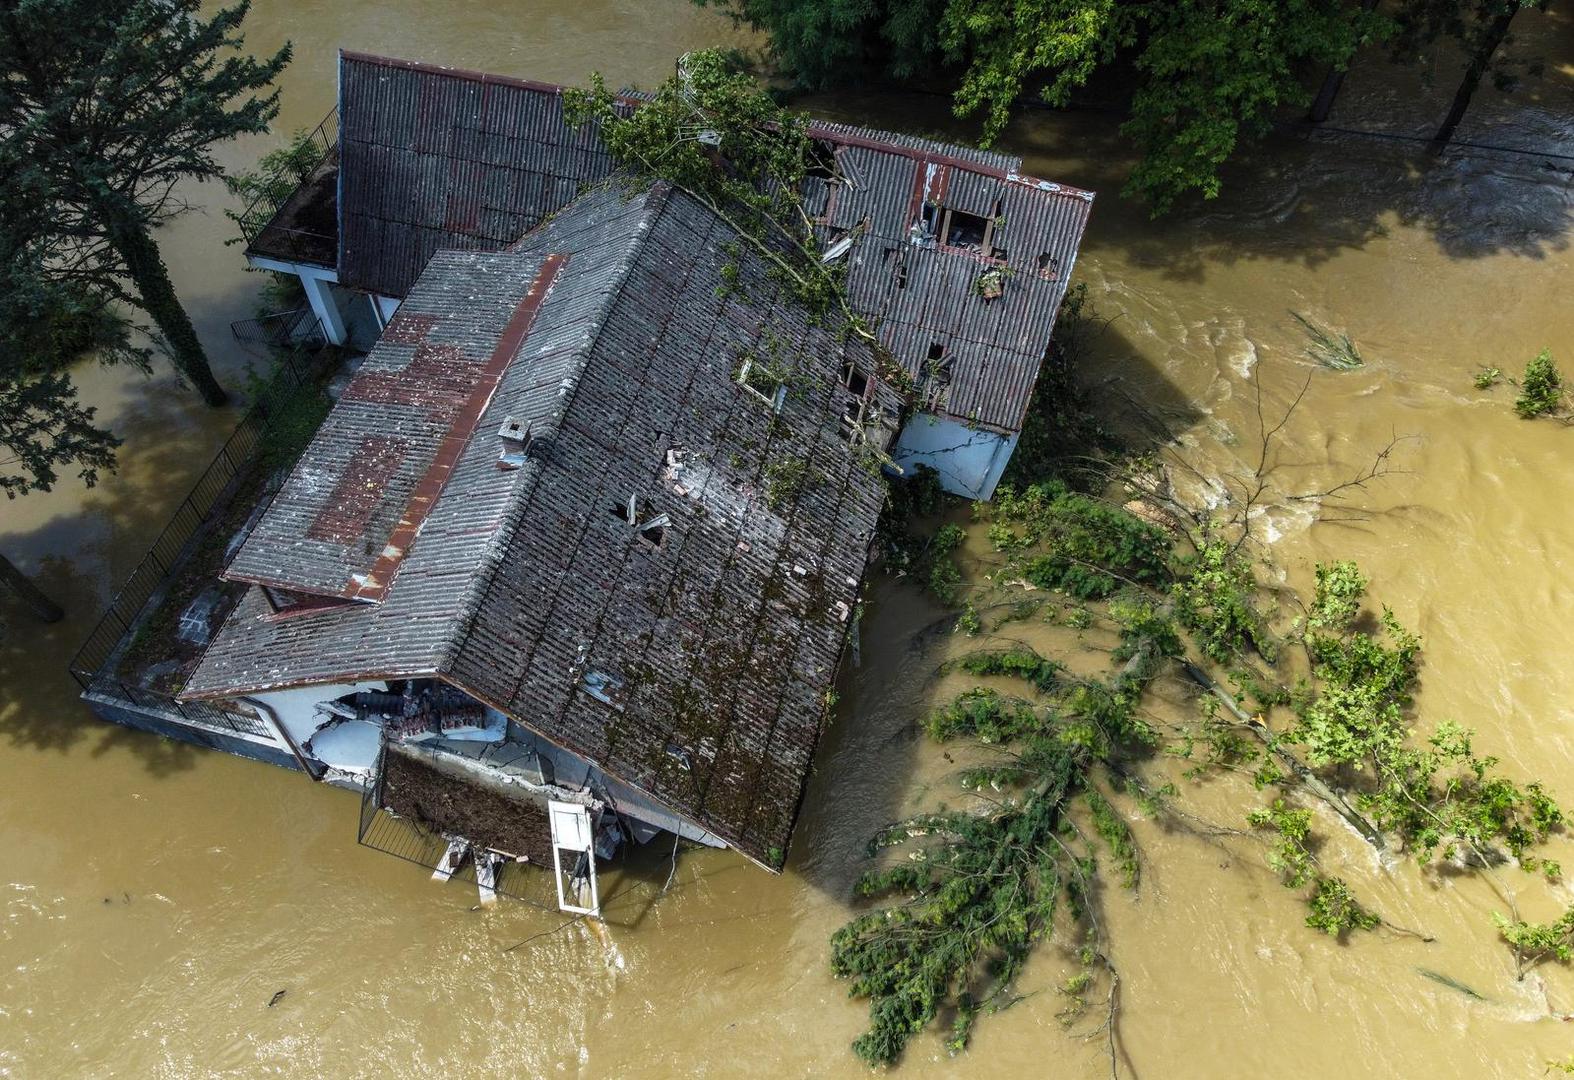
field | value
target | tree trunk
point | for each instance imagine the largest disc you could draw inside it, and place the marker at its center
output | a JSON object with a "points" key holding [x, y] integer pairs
{"points": [[1330, 88], [146, 267], [39, 604], [1493, 36]]}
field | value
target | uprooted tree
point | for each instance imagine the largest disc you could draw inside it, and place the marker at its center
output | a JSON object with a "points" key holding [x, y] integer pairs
{"points": [[105, 108], [1314, 712], [1060, 765]]}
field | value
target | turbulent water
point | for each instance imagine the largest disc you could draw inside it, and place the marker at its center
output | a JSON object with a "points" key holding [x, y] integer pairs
{"points": [[153, 898]]}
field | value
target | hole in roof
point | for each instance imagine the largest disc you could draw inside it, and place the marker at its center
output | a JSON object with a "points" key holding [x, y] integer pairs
{"points": [[964, 230], [901, 275], [821, 160], [1047, 263], [936, 350], [853, 379]]}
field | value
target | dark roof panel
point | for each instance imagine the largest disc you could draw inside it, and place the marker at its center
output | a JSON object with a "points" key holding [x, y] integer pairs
{"points": [[438, 158]]}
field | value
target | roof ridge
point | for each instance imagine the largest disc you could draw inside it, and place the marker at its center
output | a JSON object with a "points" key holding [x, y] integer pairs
{"points": [[834, 130], [492, 557]]}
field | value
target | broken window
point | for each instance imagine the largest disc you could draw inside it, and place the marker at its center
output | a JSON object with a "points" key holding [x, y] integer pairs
{"points": [[969, 232], [852, 425], [604, 687], [762, 382], [853, 379], [964, 230]]}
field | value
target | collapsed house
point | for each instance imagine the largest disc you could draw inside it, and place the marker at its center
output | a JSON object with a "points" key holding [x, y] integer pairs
{"points": [[557, 538], [958, 259]]}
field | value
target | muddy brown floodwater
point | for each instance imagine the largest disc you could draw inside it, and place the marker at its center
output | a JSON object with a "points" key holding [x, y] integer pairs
{"points": [[153, 898]]}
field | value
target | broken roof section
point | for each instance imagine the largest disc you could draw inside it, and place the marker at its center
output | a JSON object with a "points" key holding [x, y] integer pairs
{"points": [[442, 158], [686, 649]]}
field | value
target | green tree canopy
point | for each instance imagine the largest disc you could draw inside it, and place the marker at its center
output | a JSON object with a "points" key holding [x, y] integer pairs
{"points": [[1204, 73], [49, 322], [105, 106]]}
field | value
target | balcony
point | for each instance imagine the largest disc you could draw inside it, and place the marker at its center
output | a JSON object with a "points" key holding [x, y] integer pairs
{"points": [[294, 218]]}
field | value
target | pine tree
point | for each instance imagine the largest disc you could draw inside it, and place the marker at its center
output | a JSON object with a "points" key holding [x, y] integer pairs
{"points": [[105, 105]]}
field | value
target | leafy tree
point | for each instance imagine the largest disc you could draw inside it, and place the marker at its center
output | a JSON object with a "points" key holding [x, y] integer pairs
{"points": [[1480, 27], [1205, 73], [105, 106]]}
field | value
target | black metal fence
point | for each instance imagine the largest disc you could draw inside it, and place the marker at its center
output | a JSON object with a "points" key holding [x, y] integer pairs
{"points": [[278, 187], [93, 665], [295, 329]]}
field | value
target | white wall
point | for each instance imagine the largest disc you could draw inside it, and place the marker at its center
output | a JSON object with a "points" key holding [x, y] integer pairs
{"points": [[297, 708], [969, 460]]}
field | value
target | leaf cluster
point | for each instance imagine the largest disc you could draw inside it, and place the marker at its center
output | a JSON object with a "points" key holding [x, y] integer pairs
{"points": [[1075, 543], [979, 888], [1215, 599], [1541, 390]]}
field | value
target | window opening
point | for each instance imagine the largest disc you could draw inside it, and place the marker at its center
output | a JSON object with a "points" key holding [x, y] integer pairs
{"points": [[604, 687], [963, 230], [853, 379], [762, 382]]}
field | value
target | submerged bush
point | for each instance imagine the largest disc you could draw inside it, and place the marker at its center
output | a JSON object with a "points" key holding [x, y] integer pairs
{"points": [[1541, 390]]}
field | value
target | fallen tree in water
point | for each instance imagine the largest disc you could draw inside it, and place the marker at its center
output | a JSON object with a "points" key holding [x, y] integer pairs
{"points": [[1314, 713]]}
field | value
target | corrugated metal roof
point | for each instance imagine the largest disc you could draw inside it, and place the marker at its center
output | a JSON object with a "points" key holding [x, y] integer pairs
{"points": [[435, 157], [725, 636]]}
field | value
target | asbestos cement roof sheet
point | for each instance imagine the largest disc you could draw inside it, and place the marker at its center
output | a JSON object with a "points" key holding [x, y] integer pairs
{"points": [[436, 158]]}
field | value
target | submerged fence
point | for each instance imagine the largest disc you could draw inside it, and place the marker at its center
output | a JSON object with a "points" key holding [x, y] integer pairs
{"points": [[93, 666], [297, 328]]}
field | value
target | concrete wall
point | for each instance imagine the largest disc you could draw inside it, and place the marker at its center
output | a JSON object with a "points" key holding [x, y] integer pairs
{"points": [[171, 726], [969, 460]]}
